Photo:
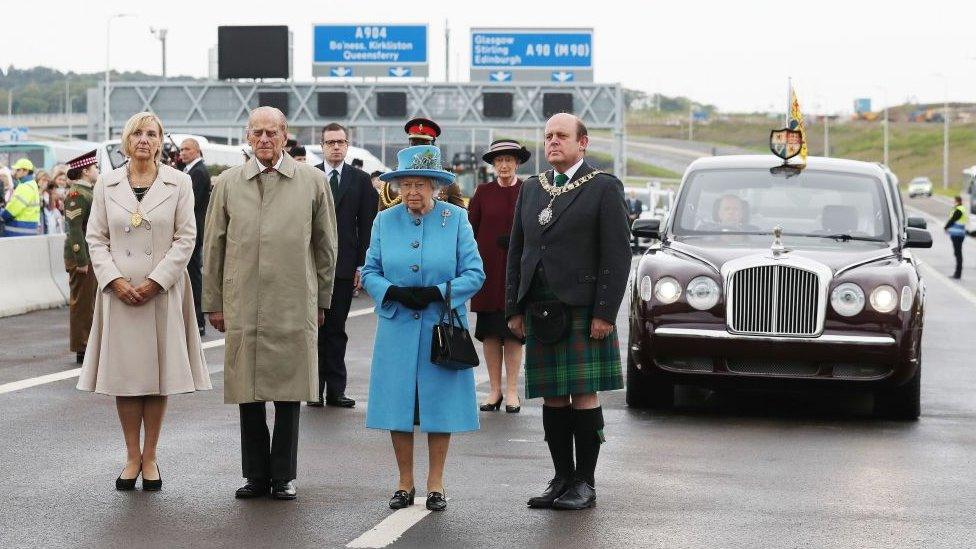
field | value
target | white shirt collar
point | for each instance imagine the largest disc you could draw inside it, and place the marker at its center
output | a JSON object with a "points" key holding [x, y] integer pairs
{"points": [[336, 168], [276, 167], [571, 171], [191, 164]]}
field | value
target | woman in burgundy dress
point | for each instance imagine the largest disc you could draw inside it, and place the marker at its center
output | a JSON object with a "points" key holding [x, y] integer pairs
{"points": [[491, 213]]}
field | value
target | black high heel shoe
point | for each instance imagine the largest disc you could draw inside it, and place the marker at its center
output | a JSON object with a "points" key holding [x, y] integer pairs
{"points": [[127, 484], [436, 501], [153, 485], [402, 498], [509, 409], [492, 406]]}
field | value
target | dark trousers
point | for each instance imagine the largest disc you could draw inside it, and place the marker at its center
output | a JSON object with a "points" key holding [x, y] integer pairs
{"points": [[957, 249], [333, 339], [262, 456], [196, 280]]}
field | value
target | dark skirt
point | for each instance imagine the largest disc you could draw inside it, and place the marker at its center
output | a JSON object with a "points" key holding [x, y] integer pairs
{"points": [[493, 324], [578, 363]]}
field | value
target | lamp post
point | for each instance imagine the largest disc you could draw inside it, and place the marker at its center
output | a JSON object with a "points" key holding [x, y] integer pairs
{"points": [[160, 35], [108, 53], [945, 130], [884, 123]]}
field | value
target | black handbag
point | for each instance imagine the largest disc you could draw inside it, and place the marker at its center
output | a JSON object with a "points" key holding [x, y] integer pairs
{"points": [[549, 321], [451, 345]]}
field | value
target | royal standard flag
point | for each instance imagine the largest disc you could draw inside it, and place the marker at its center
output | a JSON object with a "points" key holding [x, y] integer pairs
{"points": [[795, 122]]}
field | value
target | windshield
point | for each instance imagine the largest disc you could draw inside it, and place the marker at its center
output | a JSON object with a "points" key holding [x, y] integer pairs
{"points": [[813, 203]]}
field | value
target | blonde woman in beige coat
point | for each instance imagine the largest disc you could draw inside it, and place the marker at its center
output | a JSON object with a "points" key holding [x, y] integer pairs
{"points": [[144, 344]]}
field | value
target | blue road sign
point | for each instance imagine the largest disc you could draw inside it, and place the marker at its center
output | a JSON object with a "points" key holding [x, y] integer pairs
{"points": [[392, 45], [532, 48], [500, 76], [862, 105]]}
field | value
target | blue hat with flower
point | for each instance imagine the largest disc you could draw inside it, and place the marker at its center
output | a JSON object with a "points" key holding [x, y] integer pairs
{"points": [[420, 161]]}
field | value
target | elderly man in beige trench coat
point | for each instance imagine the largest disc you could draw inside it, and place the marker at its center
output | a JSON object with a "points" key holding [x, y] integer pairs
{"points": [[269, 261]]}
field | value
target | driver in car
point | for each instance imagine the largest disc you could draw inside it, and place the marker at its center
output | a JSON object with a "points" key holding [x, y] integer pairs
{"points": [[732, 213]]}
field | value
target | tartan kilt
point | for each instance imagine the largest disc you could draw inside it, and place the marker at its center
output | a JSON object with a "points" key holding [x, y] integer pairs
{"points": [[577, 364]]}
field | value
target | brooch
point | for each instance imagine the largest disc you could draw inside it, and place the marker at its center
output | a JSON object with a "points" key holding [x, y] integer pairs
{"points": [[444, 215]]}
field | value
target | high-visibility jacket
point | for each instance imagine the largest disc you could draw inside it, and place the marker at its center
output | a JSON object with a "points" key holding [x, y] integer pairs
{"points": [[957, 227], [23, 211]]}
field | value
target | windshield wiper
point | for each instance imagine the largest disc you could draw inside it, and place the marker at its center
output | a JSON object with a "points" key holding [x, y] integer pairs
{"points": [[845, 237]]}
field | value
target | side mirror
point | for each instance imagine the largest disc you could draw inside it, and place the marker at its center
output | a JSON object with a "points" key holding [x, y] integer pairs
{"points": [[918, 238], [646, 228], [917, 222]]}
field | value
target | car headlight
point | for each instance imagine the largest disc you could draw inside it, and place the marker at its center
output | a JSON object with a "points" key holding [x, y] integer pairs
{"points": [[907, 298], [703, 293], [644, 289], [847, 299], [884, 299], [667, 290]]}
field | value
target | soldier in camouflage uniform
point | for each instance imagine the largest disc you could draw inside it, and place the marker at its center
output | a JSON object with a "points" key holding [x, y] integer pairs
{"points": [[83, 172]]}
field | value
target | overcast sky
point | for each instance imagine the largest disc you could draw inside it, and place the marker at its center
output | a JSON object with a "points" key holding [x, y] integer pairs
{"points": [[736, 54]]}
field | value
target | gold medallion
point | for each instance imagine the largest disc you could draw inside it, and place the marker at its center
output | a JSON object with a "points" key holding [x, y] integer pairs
{"points": [[136, 219]]}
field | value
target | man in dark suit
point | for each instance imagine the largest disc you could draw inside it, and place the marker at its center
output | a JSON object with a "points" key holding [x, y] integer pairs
{"points": [[192, 158], [634, 209], [356, 203], [568, 262]]}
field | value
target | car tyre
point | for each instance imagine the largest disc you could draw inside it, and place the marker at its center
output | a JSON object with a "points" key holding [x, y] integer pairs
{"points": [[646, 390], [903, 402]]}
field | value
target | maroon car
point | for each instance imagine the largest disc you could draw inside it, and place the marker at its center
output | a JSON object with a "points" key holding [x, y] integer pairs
{"points": [[782, 280]]}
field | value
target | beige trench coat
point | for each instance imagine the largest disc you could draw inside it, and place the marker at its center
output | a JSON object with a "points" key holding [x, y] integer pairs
{"points": [[153, 348], [269, 257]]}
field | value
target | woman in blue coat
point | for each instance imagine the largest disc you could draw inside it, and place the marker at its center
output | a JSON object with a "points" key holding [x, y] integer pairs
{"points": [[416, 248]]}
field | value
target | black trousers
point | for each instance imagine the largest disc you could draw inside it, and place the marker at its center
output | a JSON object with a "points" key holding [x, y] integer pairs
{"points": [[262, 456], [333, 339], [957, 250], [196, 280]]}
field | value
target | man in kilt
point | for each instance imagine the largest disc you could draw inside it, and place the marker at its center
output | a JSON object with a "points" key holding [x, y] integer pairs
{"points": [[568, 261]]}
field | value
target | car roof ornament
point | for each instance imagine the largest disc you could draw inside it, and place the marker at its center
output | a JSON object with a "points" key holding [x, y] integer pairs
{"points": [[778, 248]]}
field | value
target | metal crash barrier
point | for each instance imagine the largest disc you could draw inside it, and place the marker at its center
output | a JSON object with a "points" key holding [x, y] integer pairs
{"points": [[32, 274]]}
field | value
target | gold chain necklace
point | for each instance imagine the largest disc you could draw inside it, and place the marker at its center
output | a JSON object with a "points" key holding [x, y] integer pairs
{"points": [[136, 218], [545, 216]]}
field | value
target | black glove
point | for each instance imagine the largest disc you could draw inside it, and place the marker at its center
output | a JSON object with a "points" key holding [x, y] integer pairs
{"points": [[427, 295], [405, 297], [503, 241]]}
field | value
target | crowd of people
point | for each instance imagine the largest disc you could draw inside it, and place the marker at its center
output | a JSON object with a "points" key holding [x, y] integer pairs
{"points": [[272, 252], [52, 190]]}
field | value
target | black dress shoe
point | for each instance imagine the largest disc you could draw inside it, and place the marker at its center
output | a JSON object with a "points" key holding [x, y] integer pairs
{"points": [[126, 484], [509, 409], [580, 495], [255, 488], [556, 488], [436, 501], [402, 498], [283, 489], [153, 485], [340, 401], [316, 403], [492, 406]]}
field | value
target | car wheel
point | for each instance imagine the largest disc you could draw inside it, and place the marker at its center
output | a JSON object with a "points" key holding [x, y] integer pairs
{"points": [[646, 390], [903, 402]]}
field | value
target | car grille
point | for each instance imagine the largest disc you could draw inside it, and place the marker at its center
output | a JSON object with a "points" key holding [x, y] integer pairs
{"points": [[774, 300], [687, 363], [801, 368]]}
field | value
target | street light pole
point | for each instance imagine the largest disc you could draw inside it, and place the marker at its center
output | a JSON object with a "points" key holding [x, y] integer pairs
{"points": [[108, 51], [826, 136], [945, 139], [160, 35]]}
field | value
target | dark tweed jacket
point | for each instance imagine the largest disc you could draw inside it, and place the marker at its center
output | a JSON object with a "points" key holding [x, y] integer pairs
{"points": [[585, 249]]}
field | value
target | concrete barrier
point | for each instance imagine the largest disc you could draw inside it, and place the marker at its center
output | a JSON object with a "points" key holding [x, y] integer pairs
{"points": [[32, 274]]}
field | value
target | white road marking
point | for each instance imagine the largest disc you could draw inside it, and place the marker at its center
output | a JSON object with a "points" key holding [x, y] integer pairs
{"points": [[39, 380], [392, 527], [69, 374]]}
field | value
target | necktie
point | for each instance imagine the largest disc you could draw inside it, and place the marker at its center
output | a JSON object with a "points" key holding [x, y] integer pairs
{"points": [[561, 179], [334, 182]]}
